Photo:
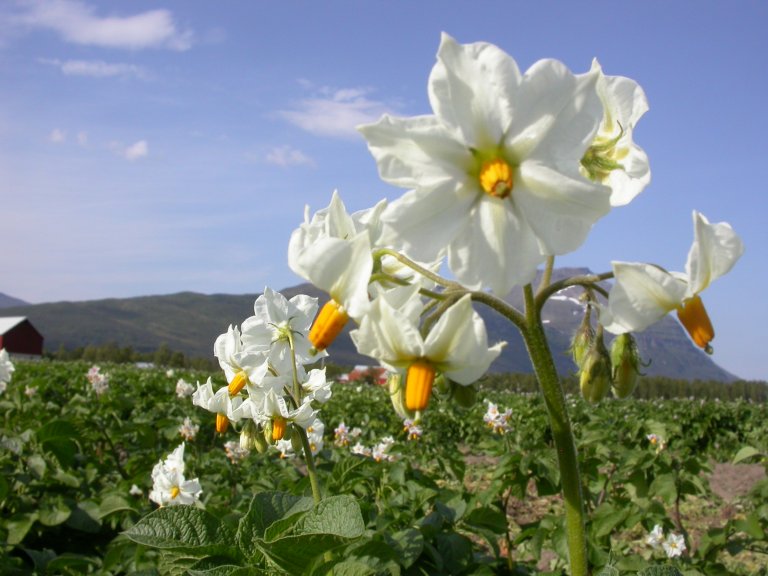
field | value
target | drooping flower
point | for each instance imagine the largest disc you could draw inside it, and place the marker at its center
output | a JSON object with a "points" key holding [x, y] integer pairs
{"points": [[170, 488], [222, 403], [457, 346], [239, 364], [643, 294], [494, 174], [613, 158], [332, 250]]}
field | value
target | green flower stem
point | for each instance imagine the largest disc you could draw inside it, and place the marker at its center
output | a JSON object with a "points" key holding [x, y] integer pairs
{"points": [[546, 277], [311, 470], [587, 281], [554, 398], [436, 278]]}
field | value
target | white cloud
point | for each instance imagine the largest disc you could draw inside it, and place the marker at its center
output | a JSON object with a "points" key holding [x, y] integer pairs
{"points": [[335, 112], [136, 150], [77, 22], [96, 68], [133, 152], [287, 156], [57, 136], [82, 138]]}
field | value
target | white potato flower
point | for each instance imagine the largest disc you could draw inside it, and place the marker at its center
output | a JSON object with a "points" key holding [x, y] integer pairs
{"points": [[643, 294], [494, 174]]}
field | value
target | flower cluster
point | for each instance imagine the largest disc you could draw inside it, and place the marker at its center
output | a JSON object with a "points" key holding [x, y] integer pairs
{"points": [[6, 369], [497, 421], [412, 429], [673, 546], [380, 451], [657, 441], [99, 381], [169, 487], [269, 391], [235, 453], [342, 434]]}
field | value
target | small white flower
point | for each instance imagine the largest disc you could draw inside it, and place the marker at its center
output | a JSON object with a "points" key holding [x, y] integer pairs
{"points": [[674, 545], [184, 388], [30, 391], [135, 491], [235, 453], [656, 536], [169, 487], [412, 429], [6, 369], [188, 429]]}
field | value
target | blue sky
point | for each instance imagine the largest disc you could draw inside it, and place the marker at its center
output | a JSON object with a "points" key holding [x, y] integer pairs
{"points": [[155, 147]]}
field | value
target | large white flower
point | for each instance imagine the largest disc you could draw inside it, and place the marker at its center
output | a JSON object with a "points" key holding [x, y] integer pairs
{"points": [[643, 294], [495, 173], [613, 158], [221, 403], [457, 346], [239, 364]]}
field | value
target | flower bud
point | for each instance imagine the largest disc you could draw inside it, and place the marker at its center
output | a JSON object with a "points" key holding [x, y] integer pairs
{"points": [[465, 396], [252, 438], [397, 395], [625, 362], [595, 377], [582, 340], [297, 444]]}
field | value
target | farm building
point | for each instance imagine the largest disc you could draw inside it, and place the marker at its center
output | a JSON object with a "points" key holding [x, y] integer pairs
{"points": [[19, 337]]}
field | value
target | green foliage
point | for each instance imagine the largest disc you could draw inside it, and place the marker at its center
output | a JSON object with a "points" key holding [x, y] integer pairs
{"points": [[459, 500]]}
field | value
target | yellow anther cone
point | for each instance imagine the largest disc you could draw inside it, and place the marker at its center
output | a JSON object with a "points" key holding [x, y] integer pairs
{"points": [[328, 324], [496, 178], [278, 428], [418, 385], [238, 383], [693, 316], [222, 423]]}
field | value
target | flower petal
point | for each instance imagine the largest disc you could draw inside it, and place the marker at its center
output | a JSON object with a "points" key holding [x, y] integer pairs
{"points": [[715, 249], [387, 335]]}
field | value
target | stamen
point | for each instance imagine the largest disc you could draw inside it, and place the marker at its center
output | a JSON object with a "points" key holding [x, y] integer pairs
{"points": [[238, 382], [418, 385], [278, 428], [328, 324], [496, 178], [693, 316], [222, 423], [175, 491]]}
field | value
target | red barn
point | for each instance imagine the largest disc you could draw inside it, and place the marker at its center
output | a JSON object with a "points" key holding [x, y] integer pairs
{"points": [[19, 337]]}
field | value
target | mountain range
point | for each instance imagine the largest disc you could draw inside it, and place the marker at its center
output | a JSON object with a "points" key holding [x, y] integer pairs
{"points": [[190, 322]]}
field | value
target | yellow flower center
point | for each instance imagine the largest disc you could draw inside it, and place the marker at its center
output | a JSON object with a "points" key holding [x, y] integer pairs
{"points": [[496, 178], [278, 428], [222, 423], [175, 491], [693, 316], [328, 324], [418, 385], [238, 382]]}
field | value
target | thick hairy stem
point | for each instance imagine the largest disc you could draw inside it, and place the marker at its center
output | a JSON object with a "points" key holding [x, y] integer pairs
{"points": [[546, 276], [554, 399]]}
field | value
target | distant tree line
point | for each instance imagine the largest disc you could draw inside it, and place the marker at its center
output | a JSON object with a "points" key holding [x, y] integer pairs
{"points": [[112, 352], [648, 387]]}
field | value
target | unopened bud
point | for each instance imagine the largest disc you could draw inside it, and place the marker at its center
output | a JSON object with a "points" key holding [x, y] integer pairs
{"points": [[582, 340], [465, 396], [397, 395], [252, 438], [595, 377], [625, 362]]}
